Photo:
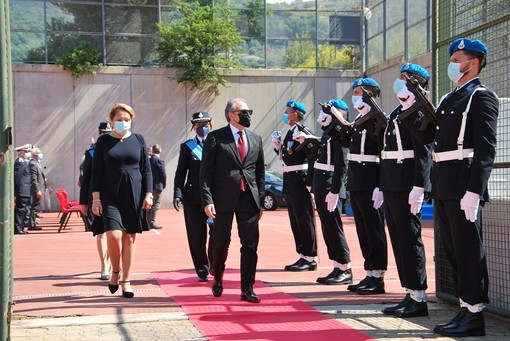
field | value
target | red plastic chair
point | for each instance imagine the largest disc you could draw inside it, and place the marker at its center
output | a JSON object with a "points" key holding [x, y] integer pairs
{"points": [[66, 207]]}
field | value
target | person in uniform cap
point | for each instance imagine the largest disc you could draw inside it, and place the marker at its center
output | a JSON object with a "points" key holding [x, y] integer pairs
{"points": [[22, 192], [363, 186], [328, 173], [464, 137], [297, 182], [404, 179], [187, 194], [93, 223]]}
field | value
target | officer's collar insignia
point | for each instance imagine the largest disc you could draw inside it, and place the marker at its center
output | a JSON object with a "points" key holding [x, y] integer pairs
{"points": [[461, 44]]}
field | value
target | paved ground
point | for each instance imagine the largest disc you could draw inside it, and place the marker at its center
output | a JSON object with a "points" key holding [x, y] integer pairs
{"points": [[59, 296]]}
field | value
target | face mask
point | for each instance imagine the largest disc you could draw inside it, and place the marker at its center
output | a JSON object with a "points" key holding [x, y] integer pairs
{"points": [[285, 118], [398, 85], [454, 72], [40, 156], [244, 119], [355, 99], [202, 131], [122, 127]]}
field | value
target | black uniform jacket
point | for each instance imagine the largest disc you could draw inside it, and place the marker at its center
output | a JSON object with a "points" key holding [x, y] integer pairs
{"points": [[451, 179], [330, 181], [401, 176], [186, 181], [21, 178], [364, 176], [158, 172], [294, 182]]}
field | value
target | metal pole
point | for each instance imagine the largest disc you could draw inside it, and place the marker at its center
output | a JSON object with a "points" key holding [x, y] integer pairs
{"points": [[6, 176], [362, 42]]}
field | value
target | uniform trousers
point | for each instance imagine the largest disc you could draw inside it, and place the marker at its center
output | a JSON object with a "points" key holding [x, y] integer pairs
{"points": [[370, 229], [333, 231], [21, 215], [300, 212], [405, 234], [196, 230], [247, 217], [156, 200], [462, 241]]}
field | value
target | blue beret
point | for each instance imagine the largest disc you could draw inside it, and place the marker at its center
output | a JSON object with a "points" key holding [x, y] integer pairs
{"points": [[365, 82], [467, 44], [415, 68], [296, 105], [338, 103]]}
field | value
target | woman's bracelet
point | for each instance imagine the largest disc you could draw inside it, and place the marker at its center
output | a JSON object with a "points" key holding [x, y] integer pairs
{"points": [[96, 200]]}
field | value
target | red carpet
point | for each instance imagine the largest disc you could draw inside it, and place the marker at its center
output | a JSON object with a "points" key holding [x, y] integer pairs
{"points": [[278, 317]]}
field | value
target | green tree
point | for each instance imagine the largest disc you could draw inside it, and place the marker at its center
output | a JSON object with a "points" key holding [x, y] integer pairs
{"points": [[299, 52], [81, 60], [204, 40]]}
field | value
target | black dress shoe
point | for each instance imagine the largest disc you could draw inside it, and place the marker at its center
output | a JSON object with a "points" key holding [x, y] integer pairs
{"points": [[304, 265], [354, 287], [344, 277], [469, 324], [20, 232], [334, 273], [202, 275], [287, 267], [35, 228], [413, 309], [391, 310], [217, 289], [250, 296], [373, 287], [453, 320], [156, 227]]}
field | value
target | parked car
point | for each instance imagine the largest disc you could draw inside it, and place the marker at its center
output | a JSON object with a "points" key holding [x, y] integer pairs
{"points": [[274, 197]]}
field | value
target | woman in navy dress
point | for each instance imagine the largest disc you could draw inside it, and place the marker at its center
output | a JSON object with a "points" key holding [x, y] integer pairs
{"points": [[121, 192]]}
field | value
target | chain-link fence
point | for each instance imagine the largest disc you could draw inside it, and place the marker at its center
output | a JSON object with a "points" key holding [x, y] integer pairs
{"points": [[489, 21]]}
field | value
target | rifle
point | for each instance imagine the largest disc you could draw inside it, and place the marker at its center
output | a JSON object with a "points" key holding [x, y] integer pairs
{"points": [[419, 93], [375, 113], [311, 146]]}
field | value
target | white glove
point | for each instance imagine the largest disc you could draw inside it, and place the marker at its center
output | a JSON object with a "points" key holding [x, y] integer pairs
{"points": [[469, 203], [362, 107], [309, 188], [276, 138], [324, 119], [299, 136], [416, 199], [332, 201], [377, 198], [405, 93]]}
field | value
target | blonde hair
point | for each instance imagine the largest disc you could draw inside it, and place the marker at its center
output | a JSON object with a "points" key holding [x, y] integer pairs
{"points": [[121, 106]]}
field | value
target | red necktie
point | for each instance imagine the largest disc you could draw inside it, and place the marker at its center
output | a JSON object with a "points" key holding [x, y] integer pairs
{"points": [[241, 148]]}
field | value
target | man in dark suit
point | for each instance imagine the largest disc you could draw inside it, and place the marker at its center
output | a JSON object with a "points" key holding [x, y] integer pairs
{"points": [[296, 184], [38, 186], [158, 183], [232, 183], [21, 189], [464, 137]]}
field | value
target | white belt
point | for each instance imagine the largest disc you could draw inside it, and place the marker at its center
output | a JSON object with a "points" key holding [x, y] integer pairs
{"points": [[324, 167], [363, 158], [294, 168], [452, 155], [396, 155]]}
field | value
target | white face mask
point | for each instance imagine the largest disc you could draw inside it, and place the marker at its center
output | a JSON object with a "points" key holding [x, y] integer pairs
{"points": [[454, 72], [122, 127]]}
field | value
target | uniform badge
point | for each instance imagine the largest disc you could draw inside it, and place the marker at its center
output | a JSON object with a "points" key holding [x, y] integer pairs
{"points": [[461, 44], [290, 151]]}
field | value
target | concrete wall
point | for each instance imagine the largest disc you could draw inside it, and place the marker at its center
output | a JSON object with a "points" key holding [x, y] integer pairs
{"points": [[60, 114]]}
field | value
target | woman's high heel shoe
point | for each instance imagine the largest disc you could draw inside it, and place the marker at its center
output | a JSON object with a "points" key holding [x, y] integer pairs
{"points": [[127, 294], [114, 287]]}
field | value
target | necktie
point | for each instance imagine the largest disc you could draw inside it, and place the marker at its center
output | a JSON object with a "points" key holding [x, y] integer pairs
{"points": [[241, 148]]}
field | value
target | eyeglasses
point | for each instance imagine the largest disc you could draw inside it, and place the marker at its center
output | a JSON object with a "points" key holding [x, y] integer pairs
{"points": [[244, 111]]}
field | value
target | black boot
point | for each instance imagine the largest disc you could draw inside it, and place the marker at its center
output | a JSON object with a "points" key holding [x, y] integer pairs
{"points": [[391, 310], [468, 324], [355, 287], [344, 277], [334, 273], [413, 309]]}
